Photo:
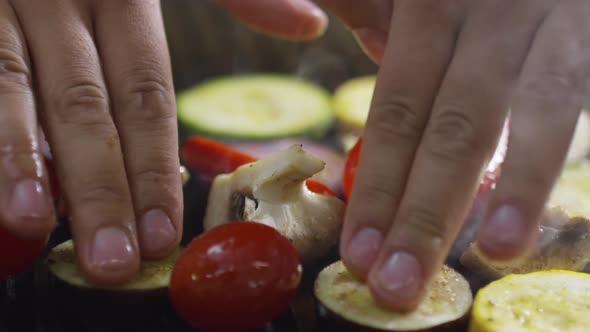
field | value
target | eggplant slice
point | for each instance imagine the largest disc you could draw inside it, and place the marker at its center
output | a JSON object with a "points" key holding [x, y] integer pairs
{"points": [[567, 248], [143, 301], [563, 238], [345, 304]]}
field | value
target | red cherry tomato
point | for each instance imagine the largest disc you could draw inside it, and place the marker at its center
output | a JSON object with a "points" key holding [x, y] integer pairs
{"points": [[16, 254], [352, 160], [235, 277]]}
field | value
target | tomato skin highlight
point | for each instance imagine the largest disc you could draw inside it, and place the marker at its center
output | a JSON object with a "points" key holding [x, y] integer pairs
{"points": [[211, 158], [16, 254], [235, 277]]}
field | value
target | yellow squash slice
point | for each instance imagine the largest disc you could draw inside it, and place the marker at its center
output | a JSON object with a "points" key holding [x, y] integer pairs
{"points": [[543, 301]]}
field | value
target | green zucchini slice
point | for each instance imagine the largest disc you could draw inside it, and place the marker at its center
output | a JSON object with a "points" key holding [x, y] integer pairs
{"points": [[257, 106], [352, 101]]}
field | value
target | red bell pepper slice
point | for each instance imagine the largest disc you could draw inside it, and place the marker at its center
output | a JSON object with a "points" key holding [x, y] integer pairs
{"points": [[211, 158]]}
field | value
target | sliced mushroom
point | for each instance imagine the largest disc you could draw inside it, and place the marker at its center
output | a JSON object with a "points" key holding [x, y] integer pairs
{"points": [[567, 248], [564, 235], [272, 191]]}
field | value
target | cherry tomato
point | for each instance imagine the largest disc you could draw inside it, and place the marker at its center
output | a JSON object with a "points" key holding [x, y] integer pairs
{"points": [[235, 277], [211, 158], [16, 254], [352, 160]]}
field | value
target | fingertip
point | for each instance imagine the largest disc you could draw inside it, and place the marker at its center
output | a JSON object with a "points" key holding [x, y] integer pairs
{"points": [[397, 282], [360, 252], [112, 258], [505, 234], [157, 235], [28, 212]]}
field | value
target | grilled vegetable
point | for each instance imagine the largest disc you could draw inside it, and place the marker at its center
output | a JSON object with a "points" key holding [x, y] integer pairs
{"points": [[257, 106], [141, 300], [564, 236], [16, 254], [272, 191], [567, 248], [345, 304], [540, 301], [352, 101], [571, 194], [210, 158], [235, 277], [331, 176]]}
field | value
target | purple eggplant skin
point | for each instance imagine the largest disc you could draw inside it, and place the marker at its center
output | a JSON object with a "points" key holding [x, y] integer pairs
{"points": [[327, 320], [107, 308]]}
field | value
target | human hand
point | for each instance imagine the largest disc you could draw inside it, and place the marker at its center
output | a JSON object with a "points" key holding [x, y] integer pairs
{"points": [[96, 76], [450, 70]]}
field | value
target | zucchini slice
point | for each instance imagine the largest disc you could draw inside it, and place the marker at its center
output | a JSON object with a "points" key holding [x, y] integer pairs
{"points": [[346, 304], [142, 300], [352, 101], [257, 106], [551, 300]]}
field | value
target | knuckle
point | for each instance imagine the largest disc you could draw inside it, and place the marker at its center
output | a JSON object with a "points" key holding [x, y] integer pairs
{"points": [[378, 191], [82, 102], [395, 118], [102, 191], [452, 136], [14, 72], [424, 223], [155, 175], [550, 82], [149, 97]]}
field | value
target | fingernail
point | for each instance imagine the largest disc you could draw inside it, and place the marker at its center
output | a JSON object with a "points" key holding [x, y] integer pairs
{"points": [[112, 249], [400, 277], [28, 200], [363, 248], [504, 231], [318, 14], [156, 232]]}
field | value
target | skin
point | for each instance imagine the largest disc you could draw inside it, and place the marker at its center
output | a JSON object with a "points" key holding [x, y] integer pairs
{"points": [[99, 72], [95, 77], [449, 72]]}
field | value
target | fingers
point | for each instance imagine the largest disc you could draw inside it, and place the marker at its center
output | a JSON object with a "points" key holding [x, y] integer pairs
{"points": [[546, 107], [460, 136], [406, 85], [25, 196], [135, 57], [84, 140], [290, 19]]}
